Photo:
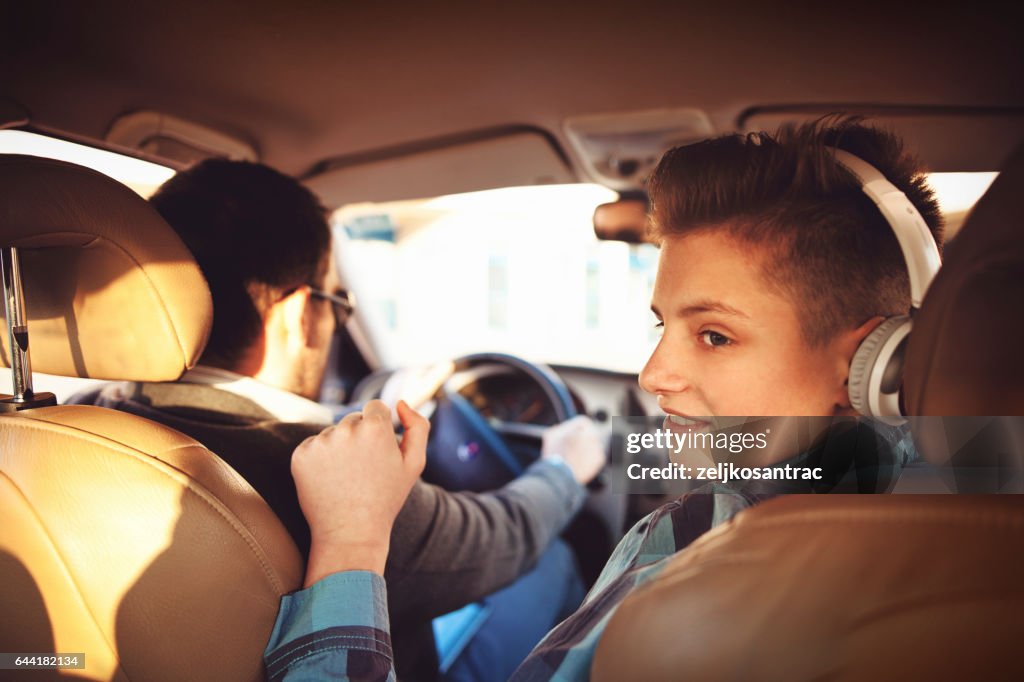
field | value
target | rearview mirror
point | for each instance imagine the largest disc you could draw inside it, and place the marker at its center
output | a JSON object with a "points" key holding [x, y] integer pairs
{"points": [[624, 220]]}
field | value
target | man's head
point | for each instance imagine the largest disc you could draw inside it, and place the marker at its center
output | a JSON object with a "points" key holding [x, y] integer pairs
{"points": [[263, 243], [774, 266]]}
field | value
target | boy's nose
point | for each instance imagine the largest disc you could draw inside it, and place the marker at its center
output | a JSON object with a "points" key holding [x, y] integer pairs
{"points": [[662, 373]]}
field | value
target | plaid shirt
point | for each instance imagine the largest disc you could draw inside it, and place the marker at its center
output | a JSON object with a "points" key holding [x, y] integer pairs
{"points": [[865, 459], [304, 646], [337, 629]]}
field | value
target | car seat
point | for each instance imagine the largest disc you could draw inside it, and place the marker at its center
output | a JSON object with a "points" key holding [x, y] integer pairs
{"points": [[121, 539]]}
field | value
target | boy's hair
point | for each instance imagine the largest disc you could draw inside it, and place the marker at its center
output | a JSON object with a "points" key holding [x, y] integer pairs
{"points": [[825, 243], [255, 233]]}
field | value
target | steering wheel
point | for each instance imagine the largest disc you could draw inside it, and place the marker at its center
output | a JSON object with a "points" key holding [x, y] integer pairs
{"points": [[467, 451]]}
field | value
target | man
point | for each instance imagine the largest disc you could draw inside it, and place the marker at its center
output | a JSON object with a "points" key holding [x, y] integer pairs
{"points": [[774, 267], [263, 242]]}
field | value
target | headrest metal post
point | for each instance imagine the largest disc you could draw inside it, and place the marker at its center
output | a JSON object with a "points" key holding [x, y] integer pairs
{"points": [[17, 324], [17, 334]]}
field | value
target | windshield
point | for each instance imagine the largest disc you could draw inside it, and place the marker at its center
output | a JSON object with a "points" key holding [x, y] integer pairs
{"points": [[519, 270], [515, 270]]}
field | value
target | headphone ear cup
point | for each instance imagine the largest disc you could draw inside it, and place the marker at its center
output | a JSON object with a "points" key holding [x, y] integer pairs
{"points": [[874, 365]]}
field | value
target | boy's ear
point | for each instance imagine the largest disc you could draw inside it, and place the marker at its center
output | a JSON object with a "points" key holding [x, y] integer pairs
{"points": [[846, 345], [850, 340]]}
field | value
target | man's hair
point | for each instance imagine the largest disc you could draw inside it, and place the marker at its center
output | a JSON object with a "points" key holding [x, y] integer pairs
{"points": [[825, 243], [255, 233]]}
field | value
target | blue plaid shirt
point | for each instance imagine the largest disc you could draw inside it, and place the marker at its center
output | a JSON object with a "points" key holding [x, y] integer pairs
{"points": [[347, 640], [337, 629]]}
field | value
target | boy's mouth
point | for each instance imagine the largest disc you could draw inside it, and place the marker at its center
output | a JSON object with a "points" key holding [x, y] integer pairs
{"points": [[682, 424]]}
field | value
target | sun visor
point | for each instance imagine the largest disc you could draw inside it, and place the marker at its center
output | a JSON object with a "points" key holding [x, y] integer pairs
{"points": [[175, 139], [477, 162], [111, 292]]}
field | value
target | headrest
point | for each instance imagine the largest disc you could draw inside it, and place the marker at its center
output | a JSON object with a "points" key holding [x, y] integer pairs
{"points": [[964, 355], [111, 291]]}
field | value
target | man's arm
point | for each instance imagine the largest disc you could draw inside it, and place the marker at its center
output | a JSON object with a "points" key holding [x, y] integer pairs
{"points": [[449, 549]]}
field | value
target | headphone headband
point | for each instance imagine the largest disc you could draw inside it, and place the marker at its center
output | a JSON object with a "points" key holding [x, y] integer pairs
{"points": [[916, 241], [876, 370]]}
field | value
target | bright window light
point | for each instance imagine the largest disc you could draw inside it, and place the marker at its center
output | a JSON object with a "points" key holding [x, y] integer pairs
{"points": [[516, 270], [570, 199], [958, 192], [142, 176]]}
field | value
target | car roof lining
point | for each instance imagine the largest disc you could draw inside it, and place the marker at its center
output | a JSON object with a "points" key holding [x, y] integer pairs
{"points": [[313, 81]]}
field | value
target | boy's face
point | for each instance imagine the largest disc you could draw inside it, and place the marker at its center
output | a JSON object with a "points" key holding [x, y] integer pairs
{"points": [[732, 346]]}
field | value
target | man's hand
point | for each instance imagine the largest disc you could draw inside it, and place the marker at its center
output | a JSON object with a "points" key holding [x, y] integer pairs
{"points": [[578, 442], [352, 480], [416, 385]]}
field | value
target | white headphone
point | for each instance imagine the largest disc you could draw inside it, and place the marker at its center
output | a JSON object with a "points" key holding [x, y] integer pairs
{"points": [[876, 371]]}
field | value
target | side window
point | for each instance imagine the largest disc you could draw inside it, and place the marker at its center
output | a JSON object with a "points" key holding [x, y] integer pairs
{"points": [[142, 176]]}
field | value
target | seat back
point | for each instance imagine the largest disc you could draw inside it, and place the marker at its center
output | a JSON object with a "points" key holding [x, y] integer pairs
{"points": [[122, 539], [801, 588], [964, 356]]}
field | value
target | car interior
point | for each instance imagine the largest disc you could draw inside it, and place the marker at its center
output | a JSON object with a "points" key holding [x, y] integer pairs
{"points": [[484, 171]]}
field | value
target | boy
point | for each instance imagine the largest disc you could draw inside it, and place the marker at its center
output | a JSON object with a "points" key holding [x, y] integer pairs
{"points": [[774, 266]]}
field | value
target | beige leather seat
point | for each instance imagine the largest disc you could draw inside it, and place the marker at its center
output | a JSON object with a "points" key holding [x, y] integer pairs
{"points": [[872, 588], [120, 538]]}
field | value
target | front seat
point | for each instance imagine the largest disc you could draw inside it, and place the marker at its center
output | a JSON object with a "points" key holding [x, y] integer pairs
{"points": [[882, 587], [122, 539]]}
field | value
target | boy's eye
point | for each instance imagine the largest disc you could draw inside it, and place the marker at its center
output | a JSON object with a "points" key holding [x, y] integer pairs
{"points": [[714, 339]]}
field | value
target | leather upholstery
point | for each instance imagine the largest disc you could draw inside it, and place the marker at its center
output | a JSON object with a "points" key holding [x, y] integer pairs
{"points": [[120, 538], [111, 291], [964, 356], [833, 588], [148, 553]]}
